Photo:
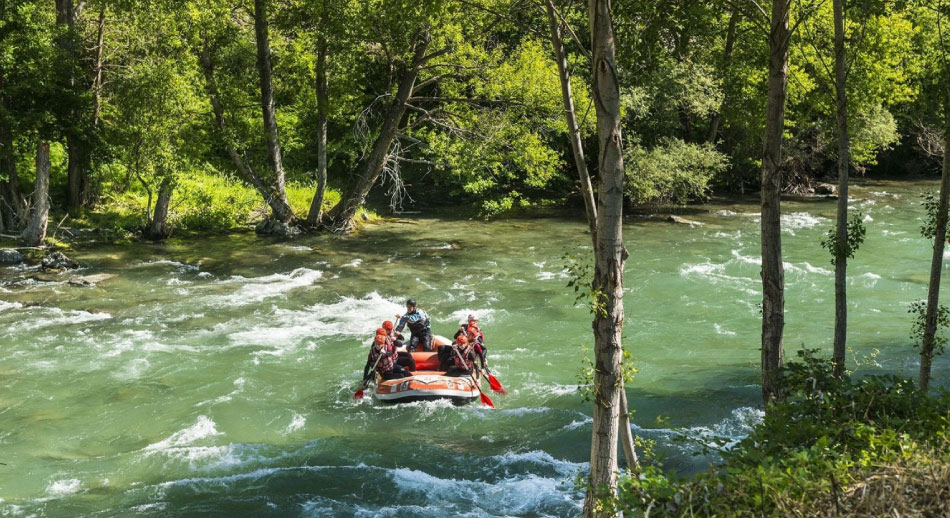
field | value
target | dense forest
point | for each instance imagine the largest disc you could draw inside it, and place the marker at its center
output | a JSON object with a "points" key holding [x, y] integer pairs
{"points": [[160, 115]]}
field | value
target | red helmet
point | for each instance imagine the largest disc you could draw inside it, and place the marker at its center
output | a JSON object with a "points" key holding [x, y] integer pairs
{"points": [[462, 340], [472, 330], [388, 325], [380, 339], [382, 331]]}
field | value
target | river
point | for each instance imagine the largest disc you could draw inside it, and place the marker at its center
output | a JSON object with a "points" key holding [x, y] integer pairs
{"points": [[214, 376]]}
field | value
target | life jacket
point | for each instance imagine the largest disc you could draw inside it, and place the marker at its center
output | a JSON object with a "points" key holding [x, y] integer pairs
{"points": [[418, 322], [388, 360], [462, 356]]}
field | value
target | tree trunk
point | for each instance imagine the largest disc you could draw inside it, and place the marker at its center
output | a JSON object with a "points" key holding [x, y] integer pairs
{"points": [[726, 59], [574, 135], [35, 232], [936, 264], [609, 257], [573, 131], [316, 207], [97, 72], [841, 226], [344, 212], [77, 178], [278, 205], [158, 227], [267, 106], [773, 275]]}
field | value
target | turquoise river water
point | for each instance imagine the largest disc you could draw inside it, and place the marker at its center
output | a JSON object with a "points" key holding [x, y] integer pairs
{"points": [[214, 377]]}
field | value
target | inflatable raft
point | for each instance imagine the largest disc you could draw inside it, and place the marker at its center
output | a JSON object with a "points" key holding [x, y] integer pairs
{"points": [[428, 382]]}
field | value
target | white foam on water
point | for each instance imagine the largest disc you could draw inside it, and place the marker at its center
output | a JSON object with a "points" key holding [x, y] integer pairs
{"points": [[806, 268], [296, 423], [183, 267], [298, 248], [721, 331], [64, 487], [203, 428], [256, 289], [49, 316], [485, 315], [725, 212], [574, 425], [355, 263], [4, 305], [731, 429], [867, 218]]}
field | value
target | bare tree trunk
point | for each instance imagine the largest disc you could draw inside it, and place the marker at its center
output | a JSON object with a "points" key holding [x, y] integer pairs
{"points": [[278, 205], [158, 227], [573, 131], [574, 135], [35, 232], [316, 207], [936, 265], [267, 105], [844, 162], [344, 212], [773, 274], [609, 257], [726, 59], [97, 72]]}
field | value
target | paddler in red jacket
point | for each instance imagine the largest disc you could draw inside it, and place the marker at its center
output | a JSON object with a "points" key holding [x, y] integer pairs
{"points": [[475, 336], [463, 357], [384, 350]]}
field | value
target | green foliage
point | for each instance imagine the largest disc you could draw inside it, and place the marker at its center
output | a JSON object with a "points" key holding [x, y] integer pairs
{"points": [[931, 203], [672, 172], [856, 234], [918, 309], [827, 435]]}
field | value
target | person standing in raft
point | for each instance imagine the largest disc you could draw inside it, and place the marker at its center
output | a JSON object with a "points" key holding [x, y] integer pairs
{"points": [[419, 326], [405, 358], [475, 336], [463, 356], [387, 366]]}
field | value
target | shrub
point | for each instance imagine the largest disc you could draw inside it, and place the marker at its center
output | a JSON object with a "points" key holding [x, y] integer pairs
{"points": [[672, 172]]}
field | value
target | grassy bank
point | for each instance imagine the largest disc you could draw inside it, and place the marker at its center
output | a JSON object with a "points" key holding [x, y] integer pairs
{"points": [[856, 447]]}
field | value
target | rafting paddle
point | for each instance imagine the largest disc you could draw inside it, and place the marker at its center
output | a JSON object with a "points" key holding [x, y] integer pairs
{"points": [[485, 399], [359, 393], [494, 383]]}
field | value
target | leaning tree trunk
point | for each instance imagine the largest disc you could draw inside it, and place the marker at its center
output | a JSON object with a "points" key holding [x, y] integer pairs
{"points": [[158, 227], [267, 107], [574, 135], [35, 232], [344, 213], [726, 59], [841, 227], [936, 264], [773, 274], [316, 207], [609, 257], [277, 204]]}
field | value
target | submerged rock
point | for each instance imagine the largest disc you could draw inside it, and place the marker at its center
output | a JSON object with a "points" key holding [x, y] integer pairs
{"points": [[826, 189], [10, 256], [58, 261], [270, 227], [90, 280]]}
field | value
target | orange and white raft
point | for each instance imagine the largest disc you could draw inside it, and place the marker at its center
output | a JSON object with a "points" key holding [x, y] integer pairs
{"points": [[428, 382]]}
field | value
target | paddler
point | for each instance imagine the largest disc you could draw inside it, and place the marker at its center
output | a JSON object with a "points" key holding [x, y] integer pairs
{"points": [[386, 366], [405, 358], [475, 336], [463, 357], [419, 326]]}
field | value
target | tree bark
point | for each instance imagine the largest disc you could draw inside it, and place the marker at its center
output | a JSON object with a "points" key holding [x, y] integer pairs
{"points": [[97, 72], [344, 212], [573, 131], [35, 232], [726, 59], [609, 257], [844, 162], [315, 215], [11, 201], [773, 275], [267, 106], [278, 205], [936, 264], [158, 227]]}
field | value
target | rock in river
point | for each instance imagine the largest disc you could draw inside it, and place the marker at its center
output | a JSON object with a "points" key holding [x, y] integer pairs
{"points": [[58, 261], [10, 256]]}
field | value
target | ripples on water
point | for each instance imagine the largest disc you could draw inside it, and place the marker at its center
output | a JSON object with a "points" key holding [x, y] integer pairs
{"points": [[216, 376]]}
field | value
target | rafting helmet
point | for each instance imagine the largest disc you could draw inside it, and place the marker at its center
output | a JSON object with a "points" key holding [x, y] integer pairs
{"points": [[380, 339], [382, 331], [411, 303], [462, 339], [388, 325]]}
